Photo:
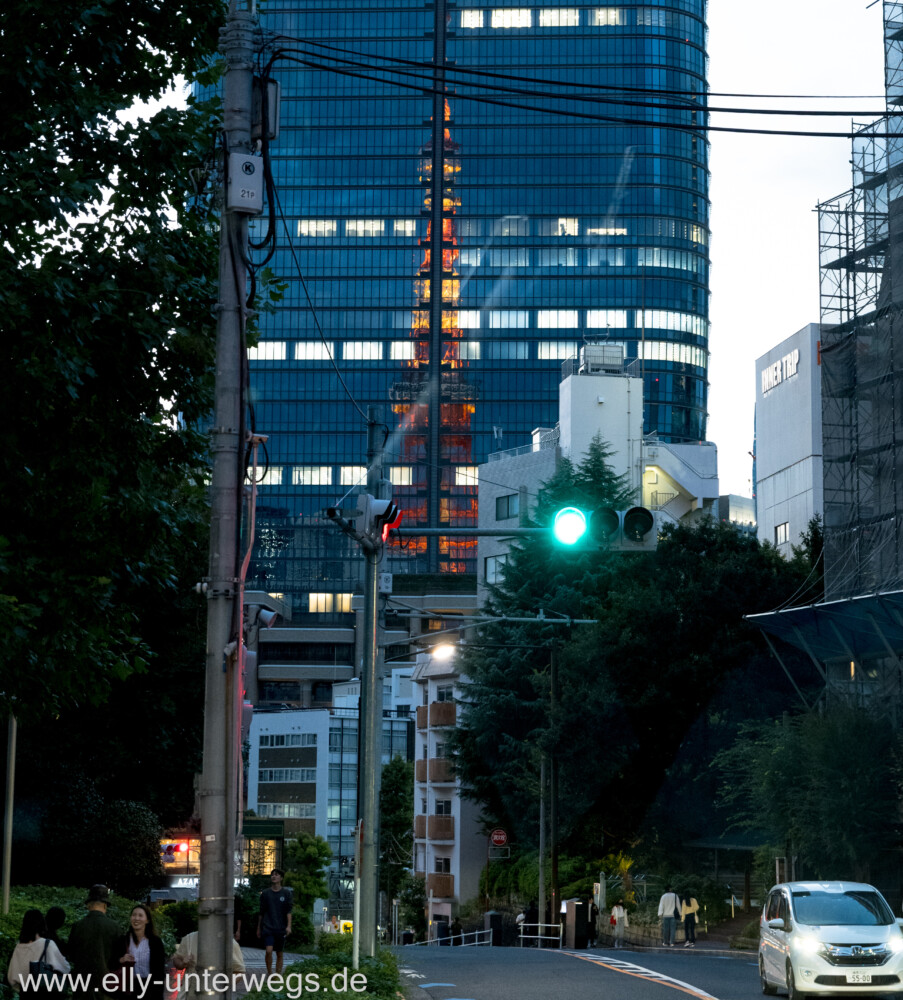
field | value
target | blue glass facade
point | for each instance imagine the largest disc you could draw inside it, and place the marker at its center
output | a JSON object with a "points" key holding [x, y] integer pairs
{"points": [[457, 252]]}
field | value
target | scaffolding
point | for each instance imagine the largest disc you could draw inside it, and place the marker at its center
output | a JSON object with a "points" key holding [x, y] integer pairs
{"points": [[861, 261]]}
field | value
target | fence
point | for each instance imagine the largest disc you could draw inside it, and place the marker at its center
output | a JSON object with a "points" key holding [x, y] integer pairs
{"points": [[472, 939], [539, 935]]}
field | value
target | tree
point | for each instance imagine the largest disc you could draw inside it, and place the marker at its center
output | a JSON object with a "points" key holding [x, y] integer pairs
{"points": [[306, 860], [825, 785], [110, 287], [670, 630], [396, 832]]}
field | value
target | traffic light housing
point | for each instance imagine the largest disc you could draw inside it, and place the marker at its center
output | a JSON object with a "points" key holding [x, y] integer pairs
{"points": [[378, 517], [632, 530]]}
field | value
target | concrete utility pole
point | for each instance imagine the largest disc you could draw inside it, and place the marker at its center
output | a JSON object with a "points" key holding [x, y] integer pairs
{"points": [[218, 788], [370, 714]]}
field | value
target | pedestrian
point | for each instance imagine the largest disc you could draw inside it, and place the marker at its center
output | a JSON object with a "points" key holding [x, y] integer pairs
{"points": [[669, 911], [593, 927], [93, 942], [33, 946], [54, 920], [143, 956], [519, 921], [185, 960], [619, 923], [689, 910], [457, 932], [275, 921]]}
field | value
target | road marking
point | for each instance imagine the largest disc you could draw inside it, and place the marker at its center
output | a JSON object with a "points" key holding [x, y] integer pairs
{"points": [[640, 972], [426, 986]]}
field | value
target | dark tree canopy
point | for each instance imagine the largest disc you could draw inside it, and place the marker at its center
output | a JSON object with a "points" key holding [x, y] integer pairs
{"points": [[110, 268], [670, 629]]}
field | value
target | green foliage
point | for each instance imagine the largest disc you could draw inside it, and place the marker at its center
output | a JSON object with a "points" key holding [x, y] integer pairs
{"points": [[111, 283], [825, 784], [182, 915], [306, 860], [396, 832], [670, 632], [380, 975], [412, 903]]}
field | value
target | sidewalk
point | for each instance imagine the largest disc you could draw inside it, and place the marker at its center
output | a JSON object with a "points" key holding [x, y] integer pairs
{"points": [[254, 958]]}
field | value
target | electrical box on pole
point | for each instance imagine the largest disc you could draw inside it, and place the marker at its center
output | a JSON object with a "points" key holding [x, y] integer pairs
{"points": [[244, 183]]}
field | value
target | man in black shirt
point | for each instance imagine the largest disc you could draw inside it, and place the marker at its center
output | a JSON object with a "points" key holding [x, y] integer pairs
{"points": [[275, 921], [93, 941]]}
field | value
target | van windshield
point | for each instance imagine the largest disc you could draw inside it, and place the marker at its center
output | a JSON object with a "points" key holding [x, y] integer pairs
{"points": [[857, 908]]}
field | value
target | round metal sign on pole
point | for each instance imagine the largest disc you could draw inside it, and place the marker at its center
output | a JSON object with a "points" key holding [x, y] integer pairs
{"points": [[498, 838]]}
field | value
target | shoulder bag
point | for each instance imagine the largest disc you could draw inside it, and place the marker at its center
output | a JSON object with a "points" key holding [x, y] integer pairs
{"points": [[41, 971]]}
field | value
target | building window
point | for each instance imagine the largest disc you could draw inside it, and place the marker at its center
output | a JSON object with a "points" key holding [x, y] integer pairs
{"points": [[423, 806], [509, 319], [272, 477], [268, 350], [443, 807], [445, 692], [351, 475], [556, 350], [443, 866], [441, 749], [518, 18], [467, 319], [326, 603], [401, 475], [607, 16], [596, 318], [493, 568], [507, 506], [288, 740], [426, 752], [312, 475], [404, 227], [287, 810], [401, 350], [316, 227], [300, 775], [364, 227], [471, 19], [564, 17], [466, 475], [362, 350], [313, 350], [557, 319], [782, 533]]}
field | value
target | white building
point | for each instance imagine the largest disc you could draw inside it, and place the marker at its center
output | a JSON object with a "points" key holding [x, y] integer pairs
{"points": [[789, 486], [449, 849]]}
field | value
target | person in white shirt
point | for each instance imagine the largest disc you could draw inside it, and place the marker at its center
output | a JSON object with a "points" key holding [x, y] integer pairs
{"points": [[185, 959], [33, 946], [619, 923], [669, 911]]}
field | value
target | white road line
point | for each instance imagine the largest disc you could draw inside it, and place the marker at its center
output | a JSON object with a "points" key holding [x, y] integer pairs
{"points": [[641, 972]]}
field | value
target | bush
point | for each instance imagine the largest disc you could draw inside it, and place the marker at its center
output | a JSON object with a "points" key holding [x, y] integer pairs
{"points": [[380, 973], [183, 916]]}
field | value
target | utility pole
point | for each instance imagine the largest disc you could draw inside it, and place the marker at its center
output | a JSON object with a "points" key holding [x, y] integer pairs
{"points": [[218, 787], [553, 783], [370, 712]]}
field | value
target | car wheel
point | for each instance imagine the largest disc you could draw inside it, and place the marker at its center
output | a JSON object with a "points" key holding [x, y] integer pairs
{"points": [[767, 988], [792, 992]]}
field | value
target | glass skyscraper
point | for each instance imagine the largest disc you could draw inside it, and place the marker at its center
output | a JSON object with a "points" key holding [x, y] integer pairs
{"points": [[471, 191]]}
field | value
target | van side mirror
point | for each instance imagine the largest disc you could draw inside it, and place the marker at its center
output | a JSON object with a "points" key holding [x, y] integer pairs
{"points": [[777, 924]]}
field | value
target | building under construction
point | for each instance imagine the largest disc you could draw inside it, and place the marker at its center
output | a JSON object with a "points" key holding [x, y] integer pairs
{"points": [[855, 635]]}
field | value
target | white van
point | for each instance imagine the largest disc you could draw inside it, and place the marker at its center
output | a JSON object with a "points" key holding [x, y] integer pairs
{"points": [[829, 937]]}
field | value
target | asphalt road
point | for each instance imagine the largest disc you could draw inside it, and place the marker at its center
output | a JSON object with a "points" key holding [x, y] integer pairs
{"points": [[528, 974]]}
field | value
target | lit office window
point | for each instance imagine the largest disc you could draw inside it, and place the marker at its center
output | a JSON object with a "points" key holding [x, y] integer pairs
{"points": [[401, 475], [666, 350], [506, 319], [471, 19], [466, 475], [272, 477], [469, 350], [468, 319], [782, 533], [605, 16], [517, 18], [351, 475], [401, 350], [317, 227], [314, 350], [664, 319], [312, 475], [568, 227], [602, 318], [326, 603], [470, 257], [362, 350], [364, 227], [268, 350], [404, 227], [555, 319], [564, 17], [556, 350]]}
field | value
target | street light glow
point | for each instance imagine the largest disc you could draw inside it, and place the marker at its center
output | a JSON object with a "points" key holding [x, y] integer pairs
{"points": [[444, 652]]}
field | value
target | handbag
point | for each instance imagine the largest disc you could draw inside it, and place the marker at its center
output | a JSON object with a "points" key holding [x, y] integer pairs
{"points": [[41, 971], [613, 921]]}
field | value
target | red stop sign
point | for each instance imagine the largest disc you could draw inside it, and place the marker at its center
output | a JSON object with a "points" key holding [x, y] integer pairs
{"points": [[498, 838]]}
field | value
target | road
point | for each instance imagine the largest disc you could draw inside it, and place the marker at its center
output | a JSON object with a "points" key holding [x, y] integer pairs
{"points": [[528, 974]]}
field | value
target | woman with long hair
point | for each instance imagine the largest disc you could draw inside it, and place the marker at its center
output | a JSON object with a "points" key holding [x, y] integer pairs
{"points": [[143, 956], [33, 946]]}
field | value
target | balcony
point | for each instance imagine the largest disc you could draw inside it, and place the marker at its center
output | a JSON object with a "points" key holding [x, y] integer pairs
{"points": [[440, 827], [440, 770], [420, 770], [420, 827], [442, 886], [422, 716], [442, 713]]}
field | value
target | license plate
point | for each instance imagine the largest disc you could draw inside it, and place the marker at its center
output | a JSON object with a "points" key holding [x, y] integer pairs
{"points": [[859, 977]]}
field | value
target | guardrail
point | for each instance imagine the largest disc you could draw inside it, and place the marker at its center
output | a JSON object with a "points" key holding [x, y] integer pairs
{"points": [[472, 939], [539, 935]]}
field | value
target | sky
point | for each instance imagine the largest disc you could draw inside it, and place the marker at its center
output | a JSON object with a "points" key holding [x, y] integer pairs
{"points": [[764, 189]]}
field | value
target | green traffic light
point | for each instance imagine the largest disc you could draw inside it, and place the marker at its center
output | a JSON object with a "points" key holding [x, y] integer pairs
{"points": [[570, 525]]}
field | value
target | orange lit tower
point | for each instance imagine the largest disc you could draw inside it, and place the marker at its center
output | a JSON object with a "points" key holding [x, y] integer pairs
{"points": [[433, 399]]}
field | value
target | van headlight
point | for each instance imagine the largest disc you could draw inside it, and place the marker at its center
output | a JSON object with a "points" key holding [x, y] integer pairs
{"points": [[808, 944], [895, 944]]}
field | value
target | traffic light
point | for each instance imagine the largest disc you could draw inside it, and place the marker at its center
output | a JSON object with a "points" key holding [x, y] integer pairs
{"points": [[376, 518], [633, 530]]}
